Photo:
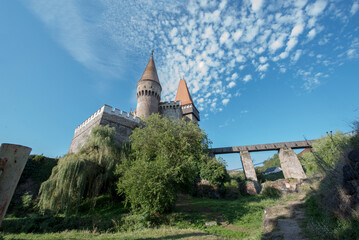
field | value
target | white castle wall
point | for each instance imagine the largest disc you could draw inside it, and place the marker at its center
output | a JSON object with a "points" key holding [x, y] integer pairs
{"points": [[123, 123]]}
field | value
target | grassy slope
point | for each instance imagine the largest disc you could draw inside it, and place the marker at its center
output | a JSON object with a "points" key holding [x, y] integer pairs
{"points": [[237, 219]]}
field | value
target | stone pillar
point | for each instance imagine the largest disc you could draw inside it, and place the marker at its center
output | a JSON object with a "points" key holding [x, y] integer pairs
{"points": [[291, 166], [248, 166], [13, 159]]}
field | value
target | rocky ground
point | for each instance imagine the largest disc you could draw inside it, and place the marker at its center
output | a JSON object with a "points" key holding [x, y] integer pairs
{"points": [[283, 221]]}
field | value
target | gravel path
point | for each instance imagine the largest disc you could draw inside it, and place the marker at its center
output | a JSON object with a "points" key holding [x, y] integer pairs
{"points": [[282, 221]]}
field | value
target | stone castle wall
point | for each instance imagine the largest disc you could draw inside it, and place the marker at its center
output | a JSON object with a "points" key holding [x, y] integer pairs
{"points": [[106, 115], [172, 110]]}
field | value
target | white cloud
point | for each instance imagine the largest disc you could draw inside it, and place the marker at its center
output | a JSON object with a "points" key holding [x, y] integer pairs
{"points": [[256, 5], [354, 8], [263, 68], [262, 59], [238, 33], [297, 30], [224, 37], [208, 42], [316, 8], [225, 101], [231, 84], [234, 76], [276, 44], [173, 32], [291, 43], [297, 55], [311, 34], [247, 78], [283, 55]]}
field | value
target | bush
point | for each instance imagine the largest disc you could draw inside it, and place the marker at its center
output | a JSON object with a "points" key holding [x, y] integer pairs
{"points": [[326, 152], [271, 192], [26, 200], [215, 172], [165, 160]]}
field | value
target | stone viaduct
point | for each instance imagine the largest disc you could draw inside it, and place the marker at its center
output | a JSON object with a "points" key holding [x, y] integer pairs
{"points": [[289, 161]]}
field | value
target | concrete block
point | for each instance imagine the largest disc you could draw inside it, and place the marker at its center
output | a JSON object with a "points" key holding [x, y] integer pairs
{"points": [[248, 166], [13, 159], [291, 166]]}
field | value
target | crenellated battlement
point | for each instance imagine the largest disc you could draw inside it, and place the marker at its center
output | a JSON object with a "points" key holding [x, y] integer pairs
{"points": [[108, 109], [171, 104]]}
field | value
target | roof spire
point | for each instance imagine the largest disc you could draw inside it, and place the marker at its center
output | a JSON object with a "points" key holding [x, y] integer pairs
{"points": [[150, 72], [183, 94]]}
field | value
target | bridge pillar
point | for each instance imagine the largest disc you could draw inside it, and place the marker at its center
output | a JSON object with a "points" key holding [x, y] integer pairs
{"points": [[291, 166], [248, 166]]}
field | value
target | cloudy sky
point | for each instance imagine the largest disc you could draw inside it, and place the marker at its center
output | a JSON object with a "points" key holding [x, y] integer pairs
{"points": [[259, 71]]}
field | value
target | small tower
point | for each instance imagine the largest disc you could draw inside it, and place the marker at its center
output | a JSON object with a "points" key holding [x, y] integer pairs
{"points": [[187, 105], [148, 91]]}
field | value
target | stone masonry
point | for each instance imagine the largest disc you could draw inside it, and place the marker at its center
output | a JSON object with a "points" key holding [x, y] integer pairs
{"points": [[248, 166], [290, 164], [122, 122]]}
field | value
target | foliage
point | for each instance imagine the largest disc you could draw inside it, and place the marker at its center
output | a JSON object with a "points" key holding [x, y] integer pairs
{"points": [[272, 162], [85, 174], [214, 171], [38, 168], [320, 224], [326, 152], [26, 199], [165, 159], [271, 192]]}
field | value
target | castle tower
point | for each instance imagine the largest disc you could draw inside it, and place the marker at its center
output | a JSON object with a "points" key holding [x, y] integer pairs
{"points": [[187, 105], [148, 91]]}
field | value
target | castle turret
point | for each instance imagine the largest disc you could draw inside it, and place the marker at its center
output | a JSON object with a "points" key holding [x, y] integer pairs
{"points": [[187, 105], [148, 91]]}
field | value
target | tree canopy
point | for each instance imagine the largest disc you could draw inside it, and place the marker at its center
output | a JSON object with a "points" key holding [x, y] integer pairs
{"points": [[85, 174], [165, 159]]}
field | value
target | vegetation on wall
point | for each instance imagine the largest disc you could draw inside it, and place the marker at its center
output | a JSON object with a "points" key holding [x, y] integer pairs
{"points": [[326, 152], [165, 159], [329, 208], [85, 174]]}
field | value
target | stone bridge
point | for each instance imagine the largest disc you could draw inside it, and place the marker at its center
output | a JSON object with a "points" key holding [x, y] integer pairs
{"points": [[289, 161]]}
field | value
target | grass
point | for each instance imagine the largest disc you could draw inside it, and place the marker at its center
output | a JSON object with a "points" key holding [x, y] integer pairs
{"points": [[158, 233], [236, 219], [320, 224]]}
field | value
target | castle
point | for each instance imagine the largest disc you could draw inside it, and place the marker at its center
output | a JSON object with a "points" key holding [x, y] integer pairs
{"points": [[148, 101]]}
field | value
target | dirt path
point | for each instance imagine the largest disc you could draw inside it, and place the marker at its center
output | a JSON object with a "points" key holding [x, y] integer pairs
{"points": [[282, 222]]}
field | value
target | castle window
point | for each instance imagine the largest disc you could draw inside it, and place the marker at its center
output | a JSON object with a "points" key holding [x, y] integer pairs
{"points": [[146, 92], [143, 92]]}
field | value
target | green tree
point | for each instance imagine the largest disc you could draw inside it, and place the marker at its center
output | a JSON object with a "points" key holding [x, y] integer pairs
{"points": [[85, 174], [165, 159], [272, 162], [215, 171]]}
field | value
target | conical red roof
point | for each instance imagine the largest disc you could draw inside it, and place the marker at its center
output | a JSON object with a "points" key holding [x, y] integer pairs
{"points": [[150, 72], [183, 94]]}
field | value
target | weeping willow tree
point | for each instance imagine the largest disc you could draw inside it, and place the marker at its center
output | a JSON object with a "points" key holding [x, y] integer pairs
{"points": [[82, 175]]}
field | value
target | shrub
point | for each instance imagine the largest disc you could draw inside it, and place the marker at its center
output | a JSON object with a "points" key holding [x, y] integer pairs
{"points": [[165, 159], [326, 152], [26, 200], [215, 171], [271, 192]]}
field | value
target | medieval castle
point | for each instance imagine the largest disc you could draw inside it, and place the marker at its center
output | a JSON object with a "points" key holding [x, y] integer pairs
{"points": [[148, 101]]}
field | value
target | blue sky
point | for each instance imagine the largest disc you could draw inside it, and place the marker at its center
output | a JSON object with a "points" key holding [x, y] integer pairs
{"points": [[259, 71]]}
